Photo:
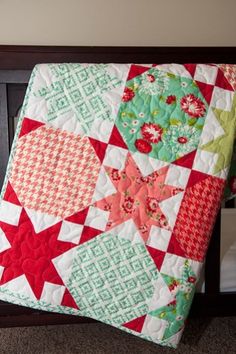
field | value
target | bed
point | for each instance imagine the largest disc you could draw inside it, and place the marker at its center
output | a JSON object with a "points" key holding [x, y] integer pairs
{"points": [[214, 297]]}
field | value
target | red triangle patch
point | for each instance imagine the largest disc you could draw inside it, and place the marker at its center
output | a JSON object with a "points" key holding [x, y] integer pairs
{"points": [[99, 147], [78, 218], [157, 256], [222, 82], [136, 324], [196, 177], [28, 125], [10, 195], [186, 160], [174, 247], [191, 68], [116, 138], [206, 90], [136, 70], [68, 300], [89, 233]]}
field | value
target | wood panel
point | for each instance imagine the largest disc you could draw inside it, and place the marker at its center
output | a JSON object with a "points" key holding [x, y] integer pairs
{"points": [[25, 57], [4, 136]]}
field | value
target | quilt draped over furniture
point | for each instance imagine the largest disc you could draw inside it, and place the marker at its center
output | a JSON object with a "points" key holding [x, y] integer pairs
{"points": [[114, 181]]}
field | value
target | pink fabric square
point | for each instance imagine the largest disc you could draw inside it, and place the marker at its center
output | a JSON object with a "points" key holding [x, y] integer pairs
{"points": [[54, 171]]}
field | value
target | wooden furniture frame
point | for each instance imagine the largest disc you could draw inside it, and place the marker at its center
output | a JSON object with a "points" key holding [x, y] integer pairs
{"points": [[16, 64]]}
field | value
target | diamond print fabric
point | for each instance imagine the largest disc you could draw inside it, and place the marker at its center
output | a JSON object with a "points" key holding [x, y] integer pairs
{"points": [[113, 278], [113, 185]]}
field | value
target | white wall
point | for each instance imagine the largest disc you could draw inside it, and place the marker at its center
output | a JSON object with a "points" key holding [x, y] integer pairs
{"points": [[228, 250], [120, 22]]}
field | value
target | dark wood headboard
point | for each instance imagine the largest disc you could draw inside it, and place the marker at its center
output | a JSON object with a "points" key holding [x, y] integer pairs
{"points": [[25, 57]]}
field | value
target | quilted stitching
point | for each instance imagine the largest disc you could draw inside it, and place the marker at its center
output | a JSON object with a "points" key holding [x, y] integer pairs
{"points": [[51, 171], [197, 215], [112, 190]]}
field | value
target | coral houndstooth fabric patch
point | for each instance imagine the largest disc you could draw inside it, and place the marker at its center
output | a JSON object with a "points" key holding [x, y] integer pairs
{"points": [[113, 186]]}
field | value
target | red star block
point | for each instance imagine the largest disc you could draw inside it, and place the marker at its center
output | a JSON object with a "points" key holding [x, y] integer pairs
{"points": [[79, 217], [136, 70], [222, 82], [10, 195], [28, 125], [196, 177], [175, 248], [88, 233], [191, 68], [186, 160], [31, 254], [99, 147], [157, 256], [116, 139], [136, 324], [206, 90], [68, 300]]}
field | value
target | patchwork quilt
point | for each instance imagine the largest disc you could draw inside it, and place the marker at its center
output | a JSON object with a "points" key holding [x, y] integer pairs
{"points": [[113, 185]]}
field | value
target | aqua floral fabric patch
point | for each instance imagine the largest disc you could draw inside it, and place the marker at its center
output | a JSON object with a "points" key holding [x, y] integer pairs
{"points": [[162, 114]]}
